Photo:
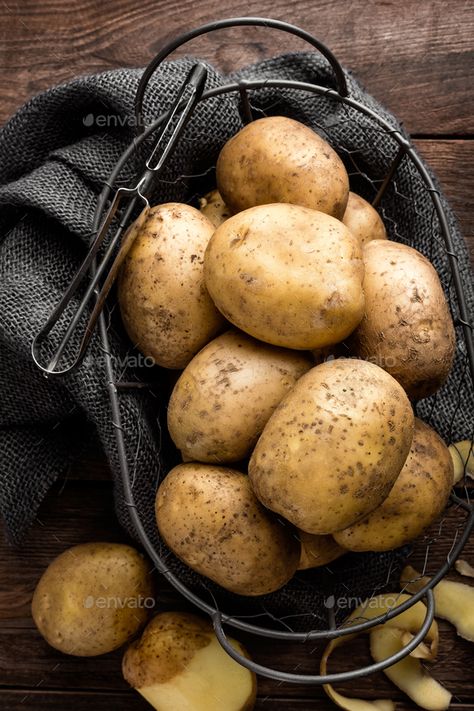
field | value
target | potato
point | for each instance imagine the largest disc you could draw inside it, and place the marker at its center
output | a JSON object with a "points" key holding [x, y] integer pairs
{"points": [[179, 664], [363, 220], [214, 208], [333, 448], [287, 275], [224, 397], [164, 303], [277, 159], [407, 328], [210, 518], [417, 499], [93, 598], [318, 550]]}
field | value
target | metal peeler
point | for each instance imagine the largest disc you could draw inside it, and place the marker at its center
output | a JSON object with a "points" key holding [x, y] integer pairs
{"points": [[123, 204]]}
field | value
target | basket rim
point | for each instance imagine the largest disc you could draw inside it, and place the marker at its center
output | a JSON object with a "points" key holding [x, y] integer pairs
{"points": [[218, 617]]}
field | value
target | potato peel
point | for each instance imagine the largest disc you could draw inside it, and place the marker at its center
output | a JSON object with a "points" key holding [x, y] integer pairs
{"points": [[408, 674], [462, 454], [454, 601], [404, 626], [464, 568]]}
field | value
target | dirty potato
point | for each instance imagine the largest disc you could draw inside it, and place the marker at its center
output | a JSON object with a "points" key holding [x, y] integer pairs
{"points": [[226, 394], [407, 327], [92, 598], [287, 275], [417, 499], [278, 159], [211, 519], [165, 306], [333, 448], [363, 220]]}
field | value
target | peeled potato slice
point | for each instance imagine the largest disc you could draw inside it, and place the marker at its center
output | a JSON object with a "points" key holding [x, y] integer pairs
{"points": [[464, 568], [179, 664], [408, 674], [454, 602], [462, 454], [406, 624]]}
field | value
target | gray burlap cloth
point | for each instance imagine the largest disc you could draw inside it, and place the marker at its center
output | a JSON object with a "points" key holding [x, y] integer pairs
{"points": [[55, 155]]}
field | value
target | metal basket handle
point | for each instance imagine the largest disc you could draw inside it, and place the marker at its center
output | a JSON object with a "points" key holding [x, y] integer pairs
{"points": [[311, 679], [222, 24]]}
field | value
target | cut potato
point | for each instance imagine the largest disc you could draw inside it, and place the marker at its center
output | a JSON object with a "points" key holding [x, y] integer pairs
{"points": [[179, 665]]}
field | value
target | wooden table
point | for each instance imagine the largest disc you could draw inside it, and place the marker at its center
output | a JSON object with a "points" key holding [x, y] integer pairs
{"points": [[417, 59]]}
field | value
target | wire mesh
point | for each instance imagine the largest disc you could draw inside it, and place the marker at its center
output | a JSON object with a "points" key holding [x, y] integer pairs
{"points": [[383, 167]]}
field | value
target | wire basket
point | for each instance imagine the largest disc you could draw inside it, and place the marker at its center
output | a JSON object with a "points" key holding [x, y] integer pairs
{"points": [[384, 168]]}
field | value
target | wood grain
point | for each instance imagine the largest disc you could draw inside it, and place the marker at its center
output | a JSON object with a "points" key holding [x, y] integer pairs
{"points": [[79, 511], [417, 58], [453, 163], [83, 701]]}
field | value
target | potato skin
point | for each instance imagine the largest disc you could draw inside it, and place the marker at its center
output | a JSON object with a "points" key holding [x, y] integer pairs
{"points": [[166, 649], [278, 159], [418, 498], [333, 448], [260, 268], [67, 603], [407, 328], [164, 303], [317, 551], [214, 208], [224, 397], [363, 220], [210, 518]]}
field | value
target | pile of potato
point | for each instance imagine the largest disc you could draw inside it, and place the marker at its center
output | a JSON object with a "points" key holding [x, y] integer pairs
{"points": [[292, 454]]}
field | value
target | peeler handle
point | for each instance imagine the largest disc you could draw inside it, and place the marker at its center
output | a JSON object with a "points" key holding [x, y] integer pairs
{"points": [[223, 24], [169, 132]]}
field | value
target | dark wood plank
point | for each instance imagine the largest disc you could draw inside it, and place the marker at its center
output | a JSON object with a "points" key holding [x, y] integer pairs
{"points": [[44, 667], [415, 57], [453, 163], [82, 511], [81, 701]]}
